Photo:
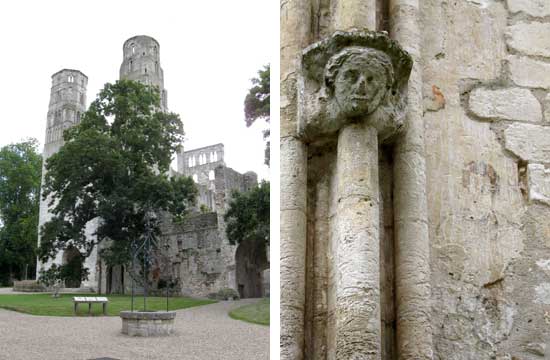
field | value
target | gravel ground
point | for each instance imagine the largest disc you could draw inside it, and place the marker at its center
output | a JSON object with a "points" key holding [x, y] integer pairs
{"points": [[204, 332]]}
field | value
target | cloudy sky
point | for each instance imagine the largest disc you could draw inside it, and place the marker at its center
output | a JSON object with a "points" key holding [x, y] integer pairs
{"points": [[209, 51]]}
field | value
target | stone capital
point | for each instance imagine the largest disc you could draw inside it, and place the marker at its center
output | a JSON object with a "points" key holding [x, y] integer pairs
{"points": [[351, 77]]}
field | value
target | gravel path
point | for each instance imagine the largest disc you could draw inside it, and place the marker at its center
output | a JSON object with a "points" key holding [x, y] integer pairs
{"points": [[204, 332]]}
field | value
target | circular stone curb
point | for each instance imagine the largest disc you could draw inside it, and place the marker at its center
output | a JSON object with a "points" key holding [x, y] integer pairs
{"points": [[148, 315], [148, 323]]}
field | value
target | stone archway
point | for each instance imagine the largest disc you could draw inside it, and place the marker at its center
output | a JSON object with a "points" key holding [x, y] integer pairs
{"points": [[251, 261], [73, 259]]}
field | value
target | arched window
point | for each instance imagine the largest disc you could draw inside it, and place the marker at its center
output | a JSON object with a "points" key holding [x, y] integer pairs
{"points": [[133, 49], [195, 178], [215, 156], [70, 79], [211, 175], [190, 162], [78, 116]]}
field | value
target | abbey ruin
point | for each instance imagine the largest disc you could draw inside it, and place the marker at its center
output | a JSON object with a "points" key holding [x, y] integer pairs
{"points": [[415, 179], [199, 258]]}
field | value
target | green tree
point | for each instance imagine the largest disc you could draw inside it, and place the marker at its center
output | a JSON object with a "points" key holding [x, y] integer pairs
{"points": [[20, 172], [256, 104], [113, 167], [248, 216]]}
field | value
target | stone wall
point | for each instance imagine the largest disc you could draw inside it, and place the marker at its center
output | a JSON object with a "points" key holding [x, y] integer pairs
{"points": [[464, 189], [201, 161], [200, 255], [487, 167]]}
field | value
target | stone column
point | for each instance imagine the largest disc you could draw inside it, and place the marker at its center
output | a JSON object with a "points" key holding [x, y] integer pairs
{"points": [[295, 35], [413, 292], [357, 238], [293, 247], [352, 87], [358, 254], [358, 14]]}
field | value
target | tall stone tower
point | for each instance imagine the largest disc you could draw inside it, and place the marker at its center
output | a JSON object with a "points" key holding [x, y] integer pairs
{"points": [[67, 104], [142, 63]]}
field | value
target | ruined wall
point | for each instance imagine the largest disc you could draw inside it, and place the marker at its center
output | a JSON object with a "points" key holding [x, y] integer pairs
{"points": [[485, 87], [200, 255], [201, 161]]}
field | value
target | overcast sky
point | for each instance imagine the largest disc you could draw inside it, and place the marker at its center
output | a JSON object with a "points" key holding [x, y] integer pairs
{"points": [[209, 51]]}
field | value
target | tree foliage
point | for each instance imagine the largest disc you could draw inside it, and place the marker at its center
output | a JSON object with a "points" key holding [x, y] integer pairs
{"points": [[248, 216], [257, 104], [20, 172], [113, 167]]}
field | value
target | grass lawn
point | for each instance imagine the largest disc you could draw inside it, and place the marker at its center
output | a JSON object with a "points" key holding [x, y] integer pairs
{"points": [[45, 304], [257, 313]]}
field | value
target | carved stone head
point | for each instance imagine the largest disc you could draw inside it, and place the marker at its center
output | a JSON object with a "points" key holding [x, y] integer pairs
{"points": [[359, 79], [349, 77]]}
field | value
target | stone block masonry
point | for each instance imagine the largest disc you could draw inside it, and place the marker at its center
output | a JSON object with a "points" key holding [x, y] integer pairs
{"points": [[530, 38], [508, 104], [464, 187], [529, 72], [529, 142]]}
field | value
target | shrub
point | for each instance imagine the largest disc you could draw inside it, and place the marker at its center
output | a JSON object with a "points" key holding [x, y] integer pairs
{"points": [[224, 294]]}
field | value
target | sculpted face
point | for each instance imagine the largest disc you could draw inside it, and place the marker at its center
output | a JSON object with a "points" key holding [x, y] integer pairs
{"points": [[360, 85]]}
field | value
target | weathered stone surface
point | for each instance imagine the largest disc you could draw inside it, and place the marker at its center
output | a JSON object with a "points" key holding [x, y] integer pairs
{"points": [[536, 348], [539, 183], [357, 239], [528, 72], [466, 289], [538, 8], [138, 323], [508, 104], [530, 38], [528, 141], [465, 42], [350, 76], [547, 108]]}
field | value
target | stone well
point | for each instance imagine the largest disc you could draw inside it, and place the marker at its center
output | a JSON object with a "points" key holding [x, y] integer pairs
{"points": [[147, 323]]}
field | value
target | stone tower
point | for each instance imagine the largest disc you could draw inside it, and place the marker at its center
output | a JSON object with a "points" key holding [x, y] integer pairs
{"points": [[67, 104], [141, 63]]}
